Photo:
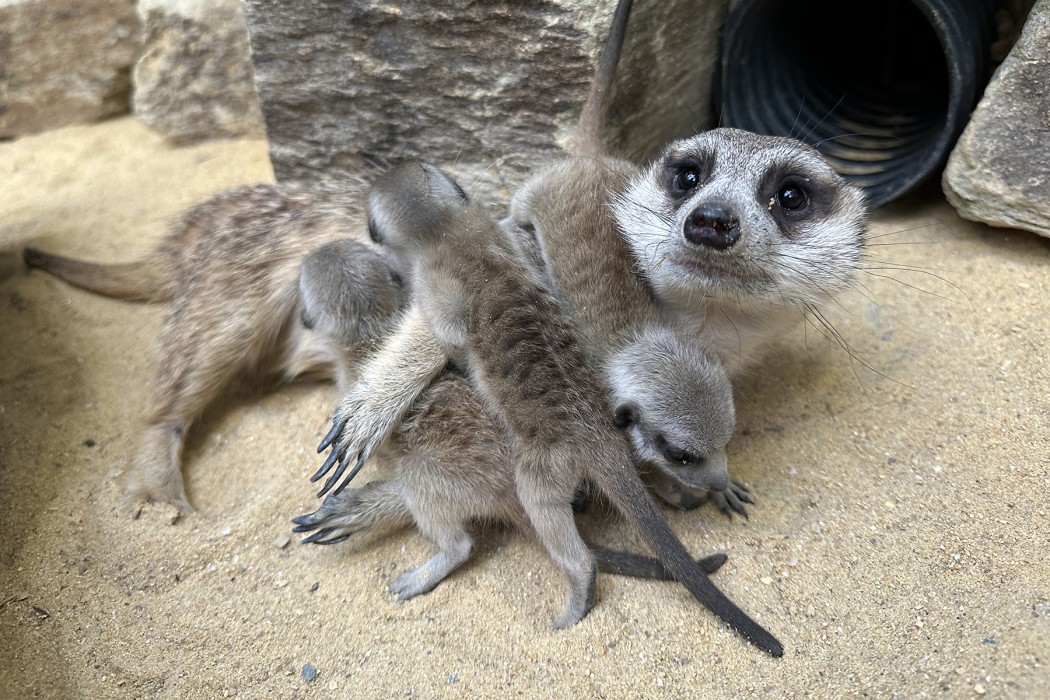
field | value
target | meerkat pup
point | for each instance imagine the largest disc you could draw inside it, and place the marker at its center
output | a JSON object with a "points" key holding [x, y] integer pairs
{"points": [[524, 359], [450, 465], [229, 270]]}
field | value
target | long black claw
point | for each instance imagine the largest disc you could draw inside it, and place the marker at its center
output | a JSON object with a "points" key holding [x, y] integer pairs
{"points": [[307, 519], [335, 477], [326, 466], [319, 535], [326, 441], [322, 537], [738, 507], [353, 472], [728, 506], [742, 492]]}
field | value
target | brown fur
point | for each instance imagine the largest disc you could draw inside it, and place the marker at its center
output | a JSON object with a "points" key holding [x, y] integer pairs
{"points": [[674, 400], [229, 270]]}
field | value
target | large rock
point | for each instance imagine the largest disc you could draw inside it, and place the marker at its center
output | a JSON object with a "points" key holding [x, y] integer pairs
{"points": [[999, 172], [492, 89], [64, 62], [194, 79]]}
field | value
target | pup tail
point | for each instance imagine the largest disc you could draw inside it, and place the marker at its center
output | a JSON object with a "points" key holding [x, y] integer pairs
{"points": [[589, 139], [143, 280], [622, 485], [623, 563]]}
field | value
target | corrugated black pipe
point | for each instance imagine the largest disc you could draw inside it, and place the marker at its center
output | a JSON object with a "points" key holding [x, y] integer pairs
{"points": [[883, 89]]}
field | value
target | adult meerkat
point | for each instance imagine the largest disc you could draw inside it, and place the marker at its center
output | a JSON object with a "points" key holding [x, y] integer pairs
{"points": [[229, 270], [524, 359], [735, 235]]}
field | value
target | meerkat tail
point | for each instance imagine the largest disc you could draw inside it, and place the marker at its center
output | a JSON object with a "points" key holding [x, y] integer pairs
{"points": [[620, 562], [588, 140], [143, 280], [630, 496]]}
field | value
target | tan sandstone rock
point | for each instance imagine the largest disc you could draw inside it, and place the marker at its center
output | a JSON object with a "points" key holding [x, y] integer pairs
{"points": [[64, 62]]}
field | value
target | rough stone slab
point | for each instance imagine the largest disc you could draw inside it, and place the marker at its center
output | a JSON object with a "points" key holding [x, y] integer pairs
{"points": [[194, 79], [64, 62], [491, 89], [999, 172]]}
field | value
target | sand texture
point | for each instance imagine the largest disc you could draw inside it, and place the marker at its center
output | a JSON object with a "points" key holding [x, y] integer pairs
{"points": [[899, 545]]}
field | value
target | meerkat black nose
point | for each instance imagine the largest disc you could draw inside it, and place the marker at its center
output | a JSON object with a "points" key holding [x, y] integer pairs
{"points": [[712, 226]]}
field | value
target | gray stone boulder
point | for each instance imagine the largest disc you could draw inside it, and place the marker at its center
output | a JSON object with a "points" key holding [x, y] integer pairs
{"points": [[999, 172], [64, 62], [194, 79], [490, 90]]}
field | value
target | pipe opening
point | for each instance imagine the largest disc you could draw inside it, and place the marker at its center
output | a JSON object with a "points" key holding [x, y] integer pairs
{"points": [[881, 89]]}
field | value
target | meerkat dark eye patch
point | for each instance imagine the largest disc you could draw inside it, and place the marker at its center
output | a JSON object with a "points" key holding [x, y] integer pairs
{"points": [[684, 175]]}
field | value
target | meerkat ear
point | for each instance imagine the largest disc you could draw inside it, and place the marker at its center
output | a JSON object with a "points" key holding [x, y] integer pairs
{"points": [[625, 415]]}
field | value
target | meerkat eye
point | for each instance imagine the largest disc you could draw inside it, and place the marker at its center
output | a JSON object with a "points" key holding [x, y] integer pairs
{"points": [[673, 454], [373, 230], [687, 178], [791, 196], [625, 416]]}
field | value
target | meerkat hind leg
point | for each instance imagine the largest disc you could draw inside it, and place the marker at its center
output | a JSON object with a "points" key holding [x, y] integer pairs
{"points": [[554, 523], [154, 473], [455, 546]]}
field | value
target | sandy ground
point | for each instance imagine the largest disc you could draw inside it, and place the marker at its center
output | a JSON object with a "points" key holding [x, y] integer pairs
{"points": [[898, 546]]}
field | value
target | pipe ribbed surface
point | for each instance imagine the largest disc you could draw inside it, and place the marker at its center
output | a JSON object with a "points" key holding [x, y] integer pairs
{"points": [[882, 89]]}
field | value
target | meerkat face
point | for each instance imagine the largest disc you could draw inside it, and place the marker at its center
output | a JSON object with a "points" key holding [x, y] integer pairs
{"points": [[409, 203], [730, 214], [676, 406]]}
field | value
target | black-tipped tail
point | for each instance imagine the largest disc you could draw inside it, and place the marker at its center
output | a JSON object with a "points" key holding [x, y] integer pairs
{"points": [[623, 486]]}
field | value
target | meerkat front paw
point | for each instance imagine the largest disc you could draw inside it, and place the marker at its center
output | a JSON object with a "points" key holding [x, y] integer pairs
{"points": [[358, 428], [377, 504], [732, 499], [330, 524], [338, 517]]}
